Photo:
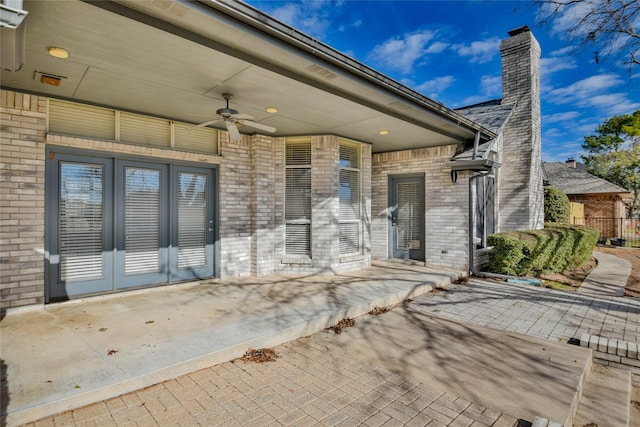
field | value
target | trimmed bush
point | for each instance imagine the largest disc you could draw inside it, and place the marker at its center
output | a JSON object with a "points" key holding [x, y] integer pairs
{"points": [[556, 248], [556, 206]]}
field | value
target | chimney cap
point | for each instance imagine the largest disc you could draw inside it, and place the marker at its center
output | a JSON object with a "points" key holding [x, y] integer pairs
{"points": [[519, 30]]}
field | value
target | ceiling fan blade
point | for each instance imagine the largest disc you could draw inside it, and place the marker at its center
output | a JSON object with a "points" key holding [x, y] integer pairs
{"points": [[210, 122], [233, 130], [260, 126], [242, 116]]}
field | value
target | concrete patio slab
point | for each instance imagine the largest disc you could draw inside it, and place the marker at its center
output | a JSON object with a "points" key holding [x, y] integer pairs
{"points": [[69, 355]]}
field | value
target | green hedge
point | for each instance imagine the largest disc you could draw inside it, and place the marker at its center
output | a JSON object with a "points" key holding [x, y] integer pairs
{"points": [[556, 206], [556, 248]]}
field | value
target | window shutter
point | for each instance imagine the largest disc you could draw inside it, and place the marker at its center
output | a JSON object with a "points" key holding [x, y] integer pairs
{"points": [[81, 221], [144, 130], [201, 140], [87, 121], [349, 195], [297, 213]]}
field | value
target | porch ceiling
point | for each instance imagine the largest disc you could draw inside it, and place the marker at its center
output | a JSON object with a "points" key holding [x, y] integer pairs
{"points": [[176, 59]]}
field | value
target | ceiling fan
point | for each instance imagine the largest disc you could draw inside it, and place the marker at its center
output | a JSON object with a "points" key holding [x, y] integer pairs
{"points": [[232, 118]]}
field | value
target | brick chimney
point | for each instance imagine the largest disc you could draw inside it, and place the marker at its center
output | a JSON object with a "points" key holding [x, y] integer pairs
{"points": [[571, 163], [521, 191]]}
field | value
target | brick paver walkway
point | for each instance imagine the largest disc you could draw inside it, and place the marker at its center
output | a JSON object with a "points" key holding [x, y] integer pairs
{"points": [[308, 384], [538, 312]]}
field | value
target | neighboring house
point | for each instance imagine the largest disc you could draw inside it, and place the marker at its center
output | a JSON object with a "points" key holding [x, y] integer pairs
{"points": [[603, 201], [106, 186]]}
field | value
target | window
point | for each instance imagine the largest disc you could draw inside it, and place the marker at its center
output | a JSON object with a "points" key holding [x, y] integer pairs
{"points": [[349, 194], [88, 121], [485, 208], [297, 203]]}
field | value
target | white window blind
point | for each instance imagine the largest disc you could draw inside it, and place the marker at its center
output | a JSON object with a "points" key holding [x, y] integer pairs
{"points": [[88, 121], [144, 130], [81, 221], [200, 140], [81, 120], [142, 221], [192, 220], [349, 195], [409, 215], [297, 204]]}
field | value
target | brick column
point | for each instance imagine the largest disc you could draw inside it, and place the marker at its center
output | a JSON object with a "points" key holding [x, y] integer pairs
{"points": [[262, 205], [22, 159]]}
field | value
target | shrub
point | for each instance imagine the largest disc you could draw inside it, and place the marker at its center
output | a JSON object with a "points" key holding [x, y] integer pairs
{"points": [[556, 248], [556, 206]]}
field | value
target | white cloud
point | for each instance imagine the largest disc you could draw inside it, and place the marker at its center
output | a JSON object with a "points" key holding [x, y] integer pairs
{"points": [[479, 51], [560, 117], [401, 53], [582, 91], [436, 86], [554, 64], [490, 88], [312, 17]]}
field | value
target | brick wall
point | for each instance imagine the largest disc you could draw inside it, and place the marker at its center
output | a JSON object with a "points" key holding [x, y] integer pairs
{"points": [[446, 204], [22, 159], [520, 183]]}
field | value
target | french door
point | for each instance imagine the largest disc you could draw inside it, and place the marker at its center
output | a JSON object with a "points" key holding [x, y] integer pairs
{"points": [[406, 204], [115, 224]]}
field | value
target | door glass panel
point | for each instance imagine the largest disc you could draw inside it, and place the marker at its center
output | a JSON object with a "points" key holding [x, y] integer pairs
{"points": [[409, 216], [80, 221], [142, 220], [192, 220]]}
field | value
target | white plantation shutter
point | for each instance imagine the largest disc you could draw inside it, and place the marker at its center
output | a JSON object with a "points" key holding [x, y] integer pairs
{"points": [[142, 221], [297, 213], [68, 118], [144, 130], [349, 195], [81, 221], [88, 121], [192, 212], [201, 140]]}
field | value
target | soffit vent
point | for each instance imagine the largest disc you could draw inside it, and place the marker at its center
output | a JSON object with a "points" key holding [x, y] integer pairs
{"points": [[323, 72]]}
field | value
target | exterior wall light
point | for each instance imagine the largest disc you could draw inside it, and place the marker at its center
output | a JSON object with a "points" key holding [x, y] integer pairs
{"points": [[58, 52]]}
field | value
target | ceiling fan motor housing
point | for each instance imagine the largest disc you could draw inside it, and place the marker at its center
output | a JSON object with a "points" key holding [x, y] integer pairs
{"points": [[226, 112]]}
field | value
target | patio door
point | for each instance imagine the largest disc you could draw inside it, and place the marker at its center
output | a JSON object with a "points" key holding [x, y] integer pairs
{"points": [[116, 224], [406, 205]]}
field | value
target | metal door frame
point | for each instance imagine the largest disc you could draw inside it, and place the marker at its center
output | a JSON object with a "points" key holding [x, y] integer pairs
{"points": [[393, 180]]}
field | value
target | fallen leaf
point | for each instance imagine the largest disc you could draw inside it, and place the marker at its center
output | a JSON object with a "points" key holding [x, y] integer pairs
{"points": [[102, 329], [111, 352], [148, 321], [260, 355]]}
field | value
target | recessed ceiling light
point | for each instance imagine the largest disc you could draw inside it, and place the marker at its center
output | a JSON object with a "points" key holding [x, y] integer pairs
{"points": [[383, 132], [58, 52], [272, 110]]}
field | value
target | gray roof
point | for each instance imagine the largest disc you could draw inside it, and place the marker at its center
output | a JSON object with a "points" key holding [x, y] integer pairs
{"points": [[576, 181], [491, 114]]}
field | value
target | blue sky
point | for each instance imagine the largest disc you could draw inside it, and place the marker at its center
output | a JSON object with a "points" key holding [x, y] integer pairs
{"points": [[449, 51]]}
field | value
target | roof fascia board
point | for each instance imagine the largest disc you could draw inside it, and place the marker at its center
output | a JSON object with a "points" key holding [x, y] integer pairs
{"points": [[264, 23]]}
